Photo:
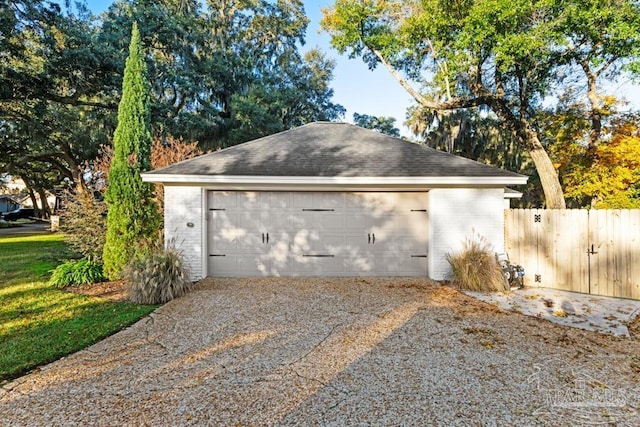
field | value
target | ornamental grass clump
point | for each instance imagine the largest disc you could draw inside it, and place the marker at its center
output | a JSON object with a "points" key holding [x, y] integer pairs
{"points": [[76, 273], [475, 268], [157, 277]]}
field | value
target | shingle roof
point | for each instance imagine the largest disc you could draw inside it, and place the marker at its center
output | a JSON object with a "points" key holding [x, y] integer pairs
{"points": [[327, 149]]}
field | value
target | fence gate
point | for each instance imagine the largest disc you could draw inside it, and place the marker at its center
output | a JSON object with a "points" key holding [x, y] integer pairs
{"points": [[579, 250]]}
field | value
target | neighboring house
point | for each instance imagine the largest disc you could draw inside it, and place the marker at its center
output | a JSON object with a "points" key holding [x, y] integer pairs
{"points": [[8, 204], [330, 199], [51, 201], [18, 190]]}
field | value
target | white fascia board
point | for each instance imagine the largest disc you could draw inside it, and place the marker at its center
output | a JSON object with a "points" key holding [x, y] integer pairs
{"points": [[514, 195], [492, 181]]}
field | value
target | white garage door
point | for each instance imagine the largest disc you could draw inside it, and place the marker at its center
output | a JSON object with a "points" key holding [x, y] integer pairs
{"points": [[317, 234]]}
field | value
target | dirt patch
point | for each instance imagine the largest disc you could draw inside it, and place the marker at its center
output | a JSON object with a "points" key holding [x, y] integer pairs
{"points": [[634, 327], [114, 291]]}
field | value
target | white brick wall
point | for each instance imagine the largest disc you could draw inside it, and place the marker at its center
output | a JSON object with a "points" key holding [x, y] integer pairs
{"points": [[456, 214], [183, 207]]}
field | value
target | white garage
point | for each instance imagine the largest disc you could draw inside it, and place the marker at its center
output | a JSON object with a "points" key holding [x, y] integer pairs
{"points": [[330, 199]]}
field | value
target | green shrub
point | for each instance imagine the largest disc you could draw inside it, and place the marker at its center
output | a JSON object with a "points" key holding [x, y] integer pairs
{"points": [[157, 277], [76, 273], [132, 215], [475, 268], [84, 224]]}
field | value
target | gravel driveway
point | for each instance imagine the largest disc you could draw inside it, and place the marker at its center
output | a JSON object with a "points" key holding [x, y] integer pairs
{"points": [[335, 352]]}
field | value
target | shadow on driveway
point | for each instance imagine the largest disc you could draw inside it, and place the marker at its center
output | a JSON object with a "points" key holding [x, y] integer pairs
{"points": [[334, 351]]}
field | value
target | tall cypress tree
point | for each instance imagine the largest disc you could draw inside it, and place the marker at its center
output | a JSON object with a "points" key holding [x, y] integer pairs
{"points": [[133, 215]]}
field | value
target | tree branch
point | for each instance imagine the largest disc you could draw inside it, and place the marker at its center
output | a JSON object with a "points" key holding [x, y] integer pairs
{"points": [[69, 100], [450, 104]]}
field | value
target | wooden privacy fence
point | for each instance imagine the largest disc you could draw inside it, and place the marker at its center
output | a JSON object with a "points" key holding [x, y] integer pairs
{"points": [[588, 251]]}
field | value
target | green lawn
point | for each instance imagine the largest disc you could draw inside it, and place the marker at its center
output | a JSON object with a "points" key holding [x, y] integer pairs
{"points": [[39, 324]]}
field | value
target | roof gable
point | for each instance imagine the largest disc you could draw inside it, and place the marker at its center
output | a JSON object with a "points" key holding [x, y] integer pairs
{"points": [[324, 149]]}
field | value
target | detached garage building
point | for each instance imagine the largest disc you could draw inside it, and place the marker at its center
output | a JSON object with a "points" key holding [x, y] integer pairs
{"points": [[330, 199]]}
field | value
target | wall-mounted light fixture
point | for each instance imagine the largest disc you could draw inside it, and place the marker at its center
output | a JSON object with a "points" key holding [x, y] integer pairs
{"points": [[190, 224]]}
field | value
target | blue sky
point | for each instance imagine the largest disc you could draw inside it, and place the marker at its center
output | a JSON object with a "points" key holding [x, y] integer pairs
{"points": [[363, 91]]}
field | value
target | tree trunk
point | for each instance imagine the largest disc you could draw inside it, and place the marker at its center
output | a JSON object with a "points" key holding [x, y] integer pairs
{"points": [[77, 173], [595, 115], [553, 195], [34, 201], [528, 138], [521, 129], [46, 211]]}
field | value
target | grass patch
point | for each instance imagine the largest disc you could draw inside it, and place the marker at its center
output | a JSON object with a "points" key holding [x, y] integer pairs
{"points": [[38, 323]]}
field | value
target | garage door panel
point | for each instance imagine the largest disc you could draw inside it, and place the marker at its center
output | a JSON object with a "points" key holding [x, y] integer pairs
{"points": [[278, 201], [319, 221], [356, 242], [251, 221], [317, 266], [331, 221], [236, 265], [224, 265], [250, 242], [251, 200], [318, 200], [354, 221], [220, 219], [359, 263], [331, 201], [223, 199], [304, 241], [401, 266], [223, 243], [375, 204], [283, 221], [408, 202], [250, 264], [399, 245], [316, 243], [302, 200], [318, 233], [415, 224]]}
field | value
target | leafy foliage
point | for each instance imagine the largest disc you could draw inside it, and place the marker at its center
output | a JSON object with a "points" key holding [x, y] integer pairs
{"points": [[600, 42], [475, 268], [157, 277], [84, 216], [608, 178], [602, 175], [227, 71], [380, 124], [56, 91], [75, 273], [84, 223], [164, 152], [132, 216], [220, 72]]}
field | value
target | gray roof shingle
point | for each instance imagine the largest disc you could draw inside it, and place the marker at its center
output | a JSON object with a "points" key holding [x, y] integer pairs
{"points": [[332, 150]]}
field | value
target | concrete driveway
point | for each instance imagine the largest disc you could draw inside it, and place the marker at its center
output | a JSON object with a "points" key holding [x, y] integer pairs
{"points": [[32, 228], [335, 352]]}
